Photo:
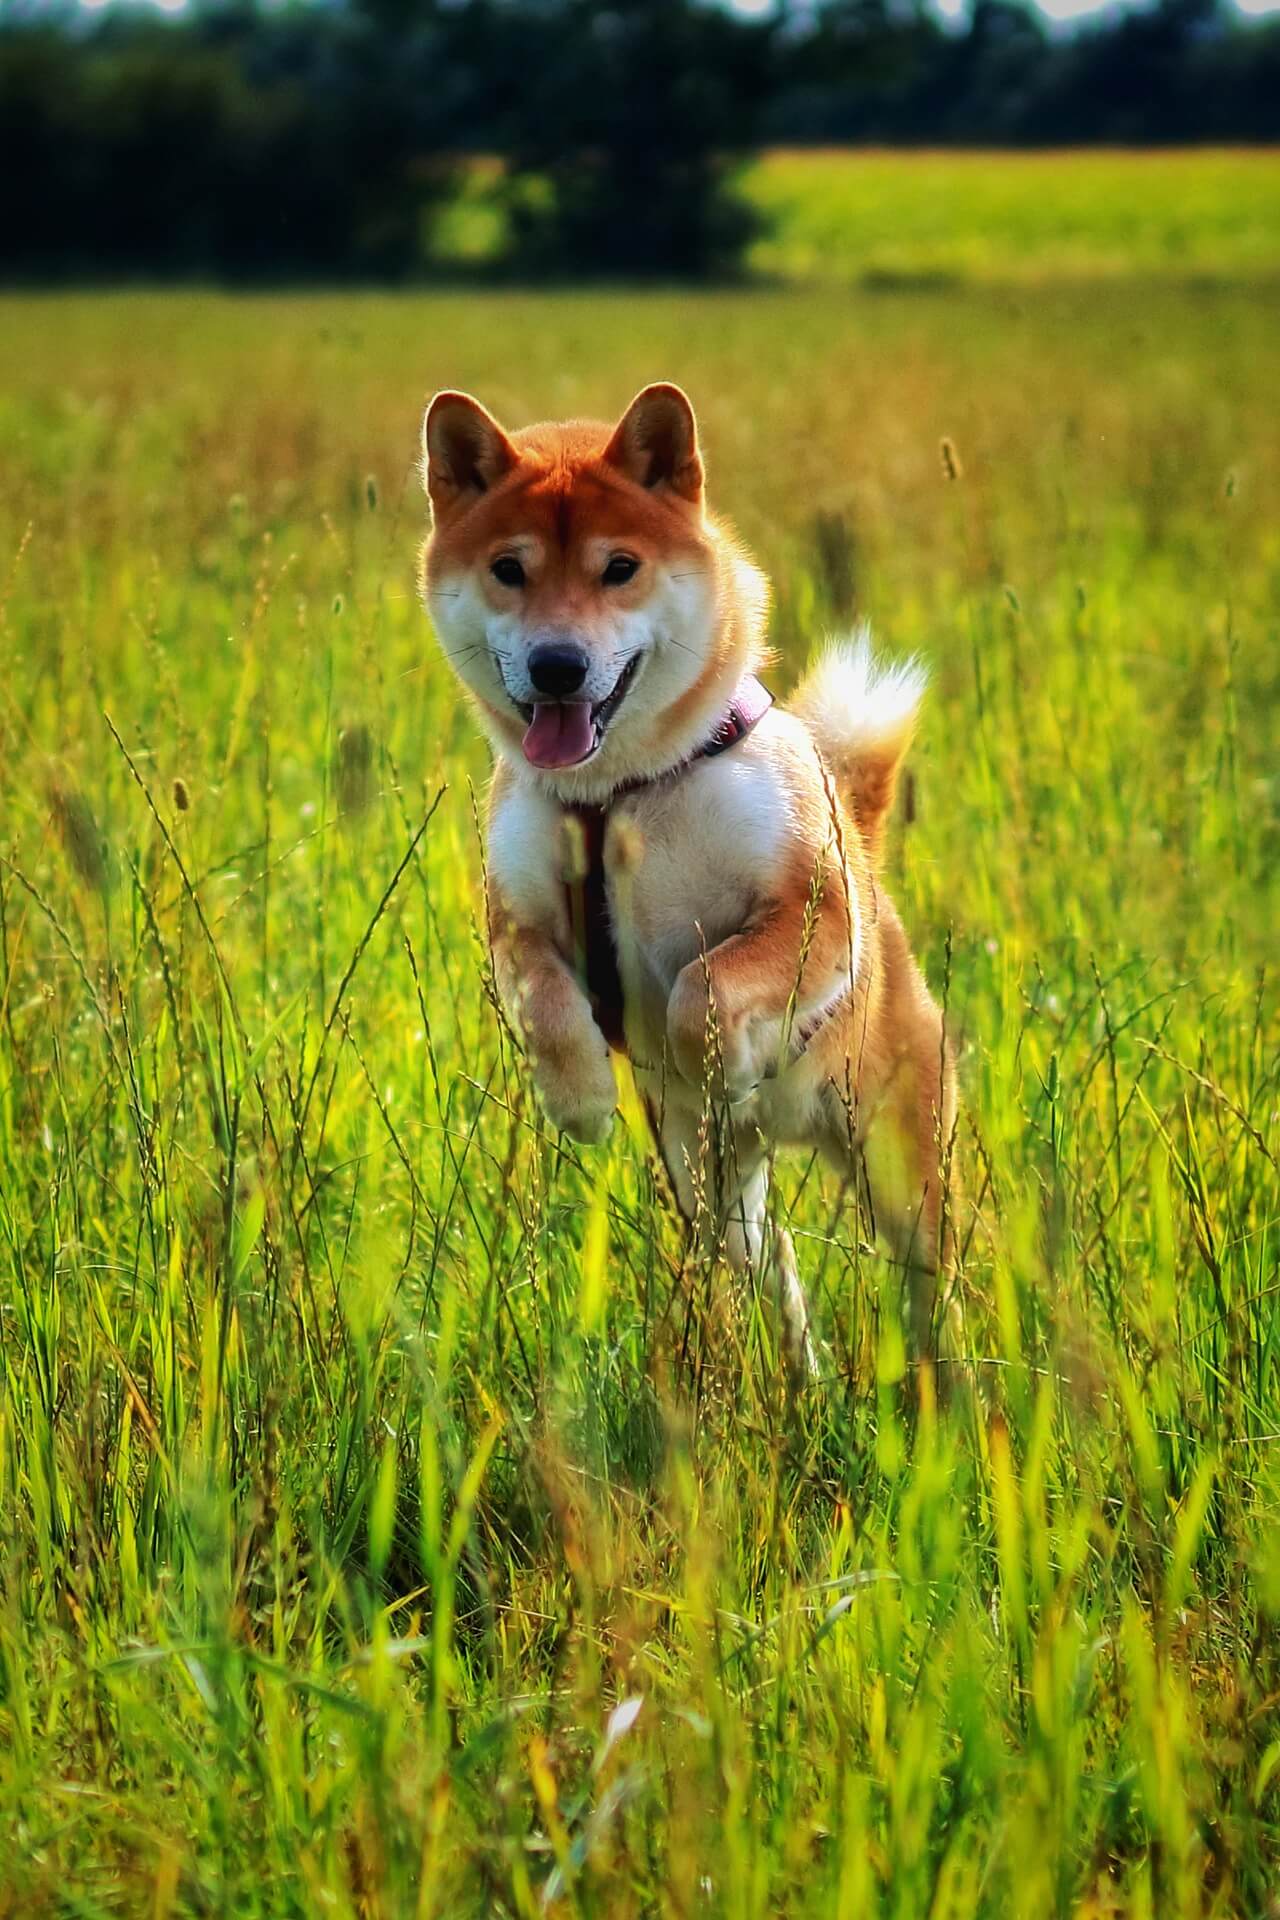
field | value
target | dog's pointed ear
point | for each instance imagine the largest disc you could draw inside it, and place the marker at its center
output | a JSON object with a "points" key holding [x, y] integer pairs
{"points": [[464, 451], [656, 442]]}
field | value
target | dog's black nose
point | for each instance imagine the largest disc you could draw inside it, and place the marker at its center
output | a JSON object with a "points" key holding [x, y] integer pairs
{"points": [[557, 670]]}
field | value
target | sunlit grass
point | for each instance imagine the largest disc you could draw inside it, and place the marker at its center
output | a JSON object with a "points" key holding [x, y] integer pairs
{"points": [[862, 216], [1027, 218], [389, 1524]]}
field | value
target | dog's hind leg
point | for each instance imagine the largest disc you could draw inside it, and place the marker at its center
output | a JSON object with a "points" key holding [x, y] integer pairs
{"points": [[901, 1154], [720, 1177], [760, 1248]]}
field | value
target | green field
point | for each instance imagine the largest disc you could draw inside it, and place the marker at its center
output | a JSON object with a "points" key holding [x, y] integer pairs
{"points": [[943, 218], [1208, 214], [391, 1523]]}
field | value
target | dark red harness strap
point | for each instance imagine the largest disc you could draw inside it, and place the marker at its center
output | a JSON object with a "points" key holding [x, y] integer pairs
{"points": [[595, 951]]}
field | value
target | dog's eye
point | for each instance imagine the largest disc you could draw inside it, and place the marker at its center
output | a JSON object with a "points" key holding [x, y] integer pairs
{"points": [[507, 570], [620, 569]]}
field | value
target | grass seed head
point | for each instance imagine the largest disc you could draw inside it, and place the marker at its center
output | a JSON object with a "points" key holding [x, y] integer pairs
{"points": [[353, 771], [627, 847], [575, 849], [951, 466], [837, 561], [80, 835], [181, 794]]}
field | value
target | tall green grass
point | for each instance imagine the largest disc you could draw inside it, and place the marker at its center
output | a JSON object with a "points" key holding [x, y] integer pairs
{"points": [[391, 1521]]}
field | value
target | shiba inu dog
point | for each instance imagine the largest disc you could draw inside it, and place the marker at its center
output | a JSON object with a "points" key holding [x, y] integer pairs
{"points": [[677, 867]]}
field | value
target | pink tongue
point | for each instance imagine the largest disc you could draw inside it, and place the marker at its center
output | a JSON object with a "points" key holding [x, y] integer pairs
{"points": [[559, 735]]}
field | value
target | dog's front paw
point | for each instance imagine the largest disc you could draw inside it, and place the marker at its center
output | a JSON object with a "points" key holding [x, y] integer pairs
{"points": [[586, 1121], [719, 1050], [580, 1103], [740, 1066], [689, 1039]]}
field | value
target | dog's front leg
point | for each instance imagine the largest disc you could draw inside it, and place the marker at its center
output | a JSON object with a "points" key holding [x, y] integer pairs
{"points": [[764, 985], [567, 1051]]}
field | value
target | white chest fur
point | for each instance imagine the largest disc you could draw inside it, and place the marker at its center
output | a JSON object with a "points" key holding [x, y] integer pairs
{"points": [[688, 861]]}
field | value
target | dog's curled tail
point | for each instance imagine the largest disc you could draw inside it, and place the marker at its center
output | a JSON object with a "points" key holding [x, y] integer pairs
{"points": [[862, 715]]}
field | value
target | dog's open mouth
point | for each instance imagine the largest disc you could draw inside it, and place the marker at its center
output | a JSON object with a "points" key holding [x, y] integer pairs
{"points": [[564, 733]]}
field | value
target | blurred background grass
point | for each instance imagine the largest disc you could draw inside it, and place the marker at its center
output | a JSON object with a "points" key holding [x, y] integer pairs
{"points": [[844, 215], [391, 1522]]}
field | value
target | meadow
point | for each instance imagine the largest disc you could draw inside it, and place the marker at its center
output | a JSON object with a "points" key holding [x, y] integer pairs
{"points": [[393, 1521], [937, 218], [941, 217]]}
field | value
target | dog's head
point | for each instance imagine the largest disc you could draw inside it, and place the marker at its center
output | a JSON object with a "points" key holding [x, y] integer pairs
{"points": [[580, 590]]}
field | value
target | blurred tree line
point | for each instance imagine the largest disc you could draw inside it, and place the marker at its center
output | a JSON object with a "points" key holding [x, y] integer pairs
{"points": [[325, 140]]}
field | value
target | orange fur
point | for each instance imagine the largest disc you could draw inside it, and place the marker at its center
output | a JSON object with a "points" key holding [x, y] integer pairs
{"points": [[758, 952]]}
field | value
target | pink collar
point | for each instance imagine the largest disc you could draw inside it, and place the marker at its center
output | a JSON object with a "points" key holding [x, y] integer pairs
{"points": [[748, 706]]}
